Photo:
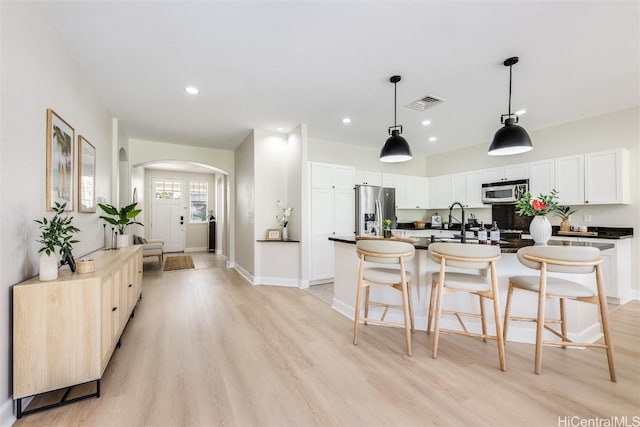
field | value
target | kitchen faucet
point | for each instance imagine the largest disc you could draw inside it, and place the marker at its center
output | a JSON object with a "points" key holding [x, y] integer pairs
{"points": [[463, 234]]}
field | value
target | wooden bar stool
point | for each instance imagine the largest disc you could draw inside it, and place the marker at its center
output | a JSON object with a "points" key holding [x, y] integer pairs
{"points": [[467, 257], [382, 262], [561, 259]]}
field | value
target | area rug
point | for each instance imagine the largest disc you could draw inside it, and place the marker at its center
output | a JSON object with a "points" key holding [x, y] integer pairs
{"points": [[181, 262]]}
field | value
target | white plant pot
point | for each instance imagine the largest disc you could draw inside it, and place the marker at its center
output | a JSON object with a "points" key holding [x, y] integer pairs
{"points": [[123, 241], [540, 230], [48, 267]]}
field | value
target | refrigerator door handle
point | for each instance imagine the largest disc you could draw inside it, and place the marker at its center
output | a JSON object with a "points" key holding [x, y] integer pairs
{"points": [[378, 218]]}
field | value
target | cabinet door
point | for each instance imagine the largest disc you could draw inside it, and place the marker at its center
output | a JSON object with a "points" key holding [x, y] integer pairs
{"points": [[459, 188], [606, 177], [542, 179], [321, 175], [343, 177], [402, 191], [440, 192], [474, 190], [344, 208], [569, 179], [110, 318], [368, 178], [321, 258], [417, 191], [519, 171], [493, 175], [389, 180], [322, 211]]}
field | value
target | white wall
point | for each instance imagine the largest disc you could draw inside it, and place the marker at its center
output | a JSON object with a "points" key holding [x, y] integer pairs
{"points": [[37, 73], [362, 158], [244, 215]]}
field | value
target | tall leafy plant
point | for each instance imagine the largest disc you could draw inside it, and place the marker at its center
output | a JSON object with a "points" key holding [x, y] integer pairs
{"points": [[121, 218], [58, 232]]}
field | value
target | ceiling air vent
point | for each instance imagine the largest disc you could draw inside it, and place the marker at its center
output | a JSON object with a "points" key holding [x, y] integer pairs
{"points": [[424, 103]]}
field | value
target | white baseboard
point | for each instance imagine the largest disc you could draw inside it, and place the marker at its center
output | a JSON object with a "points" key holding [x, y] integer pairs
{"points": [[244, 273], [276, 281], [635, 295], [6, 414], [200, 249]]}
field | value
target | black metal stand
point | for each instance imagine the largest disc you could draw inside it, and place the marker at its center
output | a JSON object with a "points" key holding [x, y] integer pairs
{"points": [[63, 401]]}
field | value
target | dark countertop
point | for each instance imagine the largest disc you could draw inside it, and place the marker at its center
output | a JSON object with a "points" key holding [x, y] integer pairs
{"points": [[507, 246], [603, 232]]}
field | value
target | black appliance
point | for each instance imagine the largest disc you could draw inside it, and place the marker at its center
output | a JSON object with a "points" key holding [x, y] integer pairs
{"points": [[212, 234], [510, 223]]}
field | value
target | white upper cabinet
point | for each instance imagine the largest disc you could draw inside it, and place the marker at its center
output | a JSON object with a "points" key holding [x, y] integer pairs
{"points": [[440, 192], [606, 177], [506, 173], [400, 183], [542, 177], [417, 191], [569, 179], [368, 178], [459, 188], [474, 190], [465, 188]]}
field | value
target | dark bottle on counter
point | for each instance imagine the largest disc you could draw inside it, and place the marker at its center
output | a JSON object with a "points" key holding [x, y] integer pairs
{"points": [[494, 234], [482, 234]]}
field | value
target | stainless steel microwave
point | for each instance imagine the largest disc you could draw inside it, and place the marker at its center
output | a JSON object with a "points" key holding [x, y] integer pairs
{"points": [[504, 191]]}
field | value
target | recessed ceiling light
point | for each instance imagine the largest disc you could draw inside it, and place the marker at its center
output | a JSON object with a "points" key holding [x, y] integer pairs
{"points": [[432, 139], [426, 122], [520, 112], [346, 120], [280, 129], [192, 90]]}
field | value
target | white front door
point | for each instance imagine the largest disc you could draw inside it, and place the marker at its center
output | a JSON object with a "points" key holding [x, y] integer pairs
{"points": [[168, 212]]}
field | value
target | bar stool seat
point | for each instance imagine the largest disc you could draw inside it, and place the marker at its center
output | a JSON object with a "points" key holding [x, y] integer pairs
{"points": [[382, 263], [483, 282], [567, 260]]}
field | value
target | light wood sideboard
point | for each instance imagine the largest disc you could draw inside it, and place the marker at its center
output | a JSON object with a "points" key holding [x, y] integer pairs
{"points": [[65, 331]]}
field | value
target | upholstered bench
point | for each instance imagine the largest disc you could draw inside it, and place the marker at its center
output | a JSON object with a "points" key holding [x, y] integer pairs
{"points": [[151, 247]]}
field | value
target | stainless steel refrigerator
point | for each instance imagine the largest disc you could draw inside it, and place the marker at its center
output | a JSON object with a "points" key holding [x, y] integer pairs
{"points": [[374, 204]]}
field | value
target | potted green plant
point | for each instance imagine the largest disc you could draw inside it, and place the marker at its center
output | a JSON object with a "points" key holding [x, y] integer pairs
{"points": [[386, 227], [565, 213], [56, 232], [121, 219]]}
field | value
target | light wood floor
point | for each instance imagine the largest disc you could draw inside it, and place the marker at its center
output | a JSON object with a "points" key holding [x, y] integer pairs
{"points": [[206, 348]]}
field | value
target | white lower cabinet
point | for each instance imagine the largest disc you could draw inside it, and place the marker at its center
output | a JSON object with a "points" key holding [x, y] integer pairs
{"points": [[616, 266]]}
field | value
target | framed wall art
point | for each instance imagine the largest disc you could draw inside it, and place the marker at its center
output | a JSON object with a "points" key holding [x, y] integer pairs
{"points": [[86, 176], [60, 142], [274, 234]]}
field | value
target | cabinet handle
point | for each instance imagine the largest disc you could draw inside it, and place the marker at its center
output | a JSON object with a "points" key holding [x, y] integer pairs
{"points": [[130, 285], [114, 308]]}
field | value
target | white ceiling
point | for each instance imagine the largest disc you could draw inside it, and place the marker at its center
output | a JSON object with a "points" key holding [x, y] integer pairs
{"points": [[271, 64]]}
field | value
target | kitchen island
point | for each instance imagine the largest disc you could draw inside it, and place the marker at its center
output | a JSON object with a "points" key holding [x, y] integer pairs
{"points": [[582, 322]]}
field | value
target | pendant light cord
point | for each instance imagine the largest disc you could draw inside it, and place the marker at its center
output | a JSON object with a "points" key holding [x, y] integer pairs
{"points": [[510, 68], [395, 103]]}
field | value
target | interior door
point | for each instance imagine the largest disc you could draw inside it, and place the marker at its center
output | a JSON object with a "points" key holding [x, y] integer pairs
{"points": [[168, 213]]}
